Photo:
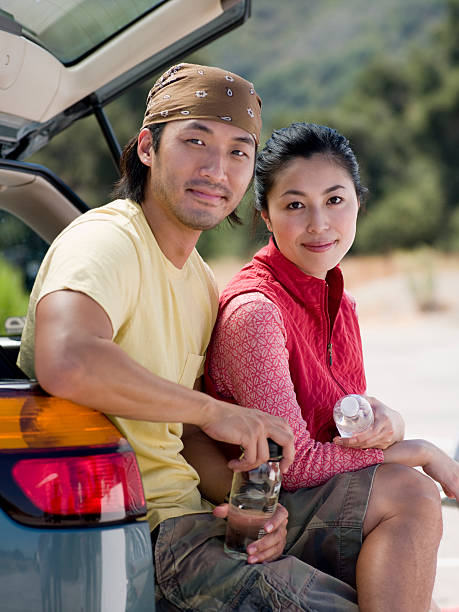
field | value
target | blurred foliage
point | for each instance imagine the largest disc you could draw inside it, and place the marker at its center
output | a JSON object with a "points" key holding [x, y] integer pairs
{"points": [[384, 73], [403, 122], [420, 270], [22, 248], [14, 299], [305, 55]]}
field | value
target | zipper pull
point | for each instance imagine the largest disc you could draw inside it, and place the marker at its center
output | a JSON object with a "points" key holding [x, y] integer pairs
{"points": [[330, 357]]}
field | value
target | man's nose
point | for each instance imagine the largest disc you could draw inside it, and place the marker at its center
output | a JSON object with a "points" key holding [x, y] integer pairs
{"points": [[214, 166]]}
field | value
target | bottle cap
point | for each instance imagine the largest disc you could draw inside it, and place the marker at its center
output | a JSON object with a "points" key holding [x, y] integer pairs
{"points": [[350, 405], [275, 450]]}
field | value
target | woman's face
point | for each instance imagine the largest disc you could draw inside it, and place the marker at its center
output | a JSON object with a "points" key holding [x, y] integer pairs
{"points": [[312, 213]]}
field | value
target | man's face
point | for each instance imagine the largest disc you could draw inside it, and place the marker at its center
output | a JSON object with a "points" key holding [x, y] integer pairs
{"points": [[200, 172]]}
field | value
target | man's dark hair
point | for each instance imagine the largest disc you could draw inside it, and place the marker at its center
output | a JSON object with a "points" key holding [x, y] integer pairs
{"points": [[134, 173]]}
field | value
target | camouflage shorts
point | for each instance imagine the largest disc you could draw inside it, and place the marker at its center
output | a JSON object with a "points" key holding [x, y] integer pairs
{"points": [[315, 574]]}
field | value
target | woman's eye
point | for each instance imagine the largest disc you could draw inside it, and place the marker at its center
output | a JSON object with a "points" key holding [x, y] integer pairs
{"points": [[197, 141], [335, 200], [295, 205], [239, 153]]}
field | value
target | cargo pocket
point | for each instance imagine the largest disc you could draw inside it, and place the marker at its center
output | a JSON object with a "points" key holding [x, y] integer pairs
{"points": [[192, 369], [257, 594]]}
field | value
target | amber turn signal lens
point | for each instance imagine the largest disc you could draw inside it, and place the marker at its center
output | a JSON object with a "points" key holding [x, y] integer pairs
{"points": [[37, 421]]}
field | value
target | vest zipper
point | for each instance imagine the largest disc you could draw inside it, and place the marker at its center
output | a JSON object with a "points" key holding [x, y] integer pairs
{"points": [[330, 363], [329, 329], [330, 346], [329, 356]]}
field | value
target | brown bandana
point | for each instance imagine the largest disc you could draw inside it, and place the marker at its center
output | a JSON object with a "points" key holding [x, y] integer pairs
{"points": [[189, 91]]}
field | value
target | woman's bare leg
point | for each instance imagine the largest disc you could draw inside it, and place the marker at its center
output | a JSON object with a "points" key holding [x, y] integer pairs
{"points": [[402, 531]]}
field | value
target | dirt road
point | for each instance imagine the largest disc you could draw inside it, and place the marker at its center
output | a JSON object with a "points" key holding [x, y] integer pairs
{"points": [[412, 364]]}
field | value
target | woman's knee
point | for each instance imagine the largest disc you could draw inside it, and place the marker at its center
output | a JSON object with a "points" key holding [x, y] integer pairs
{"points": [[399, 490]]}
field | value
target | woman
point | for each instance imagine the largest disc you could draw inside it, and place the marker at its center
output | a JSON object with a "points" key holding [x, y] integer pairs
{"points": [[287, 337], [287, 341]]}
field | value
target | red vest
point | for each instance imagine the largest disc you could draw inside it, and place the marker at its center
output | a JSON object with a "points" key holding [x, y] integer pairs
{"points": [[323, 337]]}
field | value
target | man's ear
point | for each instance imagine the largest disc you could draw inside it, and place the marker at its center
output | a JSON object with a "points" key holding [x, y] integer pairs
{"points": [[145, 147], [265, 217]]}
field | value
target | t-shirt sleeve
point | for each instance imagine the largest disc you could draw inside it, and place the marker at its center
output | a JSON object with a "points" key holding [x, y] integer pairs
{"points": [[98, 259], [248, 362]]}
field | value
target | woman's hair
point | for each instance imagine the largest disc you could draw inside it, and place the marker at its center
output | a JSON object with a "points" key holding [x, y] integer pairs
{"points": [[302, 140], [134, 173]]}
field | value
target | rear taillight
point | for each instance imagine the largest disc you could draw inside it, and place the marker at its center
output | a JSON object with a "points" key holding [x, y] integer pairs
{"points": [[106, 486], [65, 465]]}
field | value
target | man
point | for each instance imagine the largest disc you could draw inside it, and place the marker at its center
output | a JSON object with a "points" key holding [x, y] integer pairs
{"points": [[119, 319], [123, 306]]}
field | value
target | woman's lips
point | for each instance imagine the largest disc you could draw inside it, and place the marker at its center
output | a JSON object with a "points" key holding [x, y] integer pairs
{"points": [[319, 247]]}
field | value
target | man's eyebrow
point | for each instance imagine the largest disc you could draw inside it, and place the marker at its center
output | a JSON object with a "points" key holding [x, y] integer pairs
{"points": [[199, 126], [204, 128], [247, 139], [301, 193]]}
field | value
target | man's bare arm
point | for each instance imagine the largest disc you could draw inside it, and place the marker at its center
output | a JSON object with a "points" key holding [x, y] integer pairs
{"points": [[75, 358]]}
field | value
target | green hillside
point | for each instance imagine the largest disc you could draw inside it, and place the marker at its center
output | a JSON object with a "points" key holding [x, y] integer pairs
{"points": [[308, 54], [383, 72]]}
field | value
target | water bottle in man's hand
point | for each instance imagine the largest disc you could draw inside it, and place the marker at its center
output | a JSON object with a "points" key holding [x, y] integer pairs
{"points": [[353, 414], [253, 500]]}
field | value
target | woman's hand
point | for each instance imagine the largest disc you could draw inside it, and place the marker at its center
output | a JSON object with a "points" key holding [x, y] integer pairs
{"points": [[435, 462], [271, 545], [388, 427], [444, 470]]}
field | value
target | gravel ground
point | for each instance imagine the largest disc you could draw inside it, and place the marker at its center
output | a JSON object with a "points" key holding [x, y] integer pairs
{"points": [[412, 364]]}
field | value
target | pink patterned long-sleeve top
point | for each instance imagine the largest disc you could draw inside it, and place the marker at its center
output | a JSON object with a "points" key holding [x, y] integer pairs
{"points": [[249, 363]]}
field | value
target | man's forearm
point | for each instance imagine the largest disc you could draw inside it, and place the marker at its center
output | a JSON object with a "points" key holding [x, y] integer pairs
{"points": [[75, 358], [101, 375]]}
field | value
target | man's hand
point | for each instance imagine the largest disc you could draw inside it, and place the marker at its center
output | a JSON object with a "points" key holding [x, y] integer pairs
{"points": [[271, 545], [388, 427], [249, 428]]}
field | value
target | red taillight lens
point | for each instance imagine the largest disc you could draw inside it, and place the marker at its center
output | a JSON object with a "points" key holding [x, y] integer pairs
{"points": [[107, 485], [63, 464]]}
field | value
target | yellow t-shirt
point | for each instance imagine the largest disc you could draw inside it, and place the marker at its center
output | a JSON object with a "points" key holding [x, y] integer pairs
{"points": [[162, 316]]}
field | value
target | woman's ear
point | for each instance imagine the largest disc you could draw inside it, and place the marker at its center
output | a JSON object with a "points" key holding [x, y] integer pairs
{"points": [[265, 216], [145, 146]]}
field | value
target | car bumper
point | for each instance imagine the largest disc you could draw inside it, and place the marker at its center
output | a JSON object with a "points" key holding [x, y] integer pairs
{"points": [[106, 569]]}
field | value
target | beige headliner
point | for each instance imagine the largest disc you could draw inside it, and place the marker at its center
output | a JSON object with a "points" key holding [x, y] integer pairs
{"points": [[36, 202], [36, 86]]}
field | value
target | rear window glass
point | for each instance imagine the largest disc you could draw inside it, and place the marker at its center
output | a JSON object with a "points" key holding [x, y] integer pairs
{"points": [[73, 28]]}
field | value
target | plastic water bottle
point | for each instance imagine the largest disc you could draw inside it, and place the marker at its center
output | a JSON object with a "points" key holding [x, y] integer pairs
{"points": [[253, 499], [353, 414]]}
